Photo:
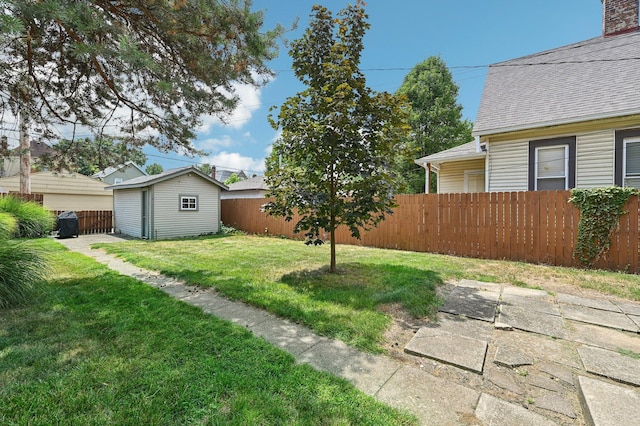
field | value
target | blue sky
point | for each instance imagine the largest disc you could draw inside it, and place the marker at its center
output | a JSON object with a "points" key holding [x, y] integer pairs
{"points": [[466, 34]]}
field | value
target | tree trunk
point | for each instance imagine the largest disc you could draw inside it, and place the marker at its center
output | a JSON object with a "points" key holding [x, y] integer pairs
{"points": [[332, 266], [25, 158]]}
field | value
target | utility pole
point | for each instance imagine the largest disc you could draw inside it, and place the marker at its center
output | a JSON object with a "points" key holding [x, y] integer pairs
{"points": [[25, 157]]}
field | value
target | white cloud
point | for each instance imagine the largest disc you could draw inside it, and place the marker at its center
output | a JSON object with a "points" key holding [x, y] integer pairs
{"points": [[235, 161], [214, 144], [249, 102]]}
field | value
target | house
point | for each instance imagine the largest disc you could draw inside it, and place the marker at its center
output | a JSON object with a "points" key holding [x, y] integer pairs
{"points": [[120, 173], [254, 187], [65, 191], [564, 118], [10, 158], [176, 203]]}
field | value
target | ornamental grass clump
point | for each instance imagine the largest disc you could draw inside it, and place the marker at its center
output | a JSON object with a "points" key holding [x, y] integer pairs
{"points": [[600, 210], [22, 267], [33, 220]]}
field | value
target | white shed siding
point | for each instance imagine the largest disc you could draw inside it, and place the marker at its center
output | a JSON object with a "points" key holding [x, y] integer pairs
{"points": [[127, 204], [451, 175], [508, 166], [595, 159], [171, 222]]}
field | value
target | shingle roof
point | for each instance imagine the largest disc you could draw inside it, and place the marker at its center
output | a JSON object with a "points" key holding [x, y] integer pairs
{"points": [[143, 181], [460, 152], [596, 78], [112, 169], [256, 182]]}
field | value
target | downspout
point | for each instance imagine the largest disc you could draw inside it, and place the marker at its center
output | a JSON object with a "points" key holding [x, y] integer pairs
{"points": [[427, 181]]}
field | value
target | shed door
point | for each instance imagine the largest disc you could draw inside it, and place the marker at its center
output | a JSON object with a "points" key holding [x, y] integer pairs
{"points": [[145, 215]]}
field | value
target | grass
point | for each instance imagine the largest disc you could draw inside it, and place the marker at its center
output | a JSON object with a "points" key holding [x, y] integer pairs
{"points": [[291, 280], [629, 353], [101, 348]]}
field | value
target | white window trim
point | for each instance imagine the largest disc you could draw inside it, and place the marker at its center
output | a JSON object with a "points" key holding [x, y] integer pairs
{"points": [[117, 181], [188, 198], [626, 141], [566, 165]]}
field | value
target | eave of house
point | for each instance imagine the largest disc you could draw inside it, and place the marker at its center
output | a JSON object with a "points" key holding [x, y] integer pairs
{"points": [[550, 129]]}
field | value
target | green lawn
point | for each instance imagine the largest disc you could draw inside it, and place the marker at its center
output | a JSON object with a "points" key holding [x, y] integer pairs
{"points": [[291, 280], [99, 348]]}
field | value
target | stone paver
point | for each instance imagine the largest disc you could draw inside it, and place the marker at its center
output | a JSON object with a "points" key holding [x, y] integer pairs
{"points": [[610, 364], [421, 393], [472, 303], [445, 347], [496, 412], [629, 308], [536, 302], [558, 371], [535, 322], [606, 404], [510, 357], [543, 382], [602, 337], [601, 304], [609, 319], [556, 403]]}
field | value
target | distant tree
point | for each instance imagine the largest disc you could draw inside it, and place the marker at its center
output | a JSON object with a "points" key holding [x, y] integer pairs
{"points": [[332, 163], [146, 69], [88, 156], [205, 168], [436, 118], [233, 178], [154, 169]]}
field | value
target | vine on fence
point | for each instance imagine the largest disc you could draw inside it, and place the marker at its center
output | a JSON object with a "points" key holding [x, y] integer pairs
{"points": [[600, 210]]}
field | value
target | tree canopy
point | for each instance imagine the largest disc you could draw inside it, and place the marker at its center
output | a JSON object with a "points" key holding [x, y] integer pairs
{"points": [[154, 169], [148, 70], [332, 163], [89, 156], [436, 118]]}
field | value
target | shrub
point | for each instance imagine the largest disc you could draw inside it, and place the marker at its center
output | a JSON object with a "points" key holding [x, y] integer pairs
{"points": [[34, 221], [7, 225], [22, 270]]}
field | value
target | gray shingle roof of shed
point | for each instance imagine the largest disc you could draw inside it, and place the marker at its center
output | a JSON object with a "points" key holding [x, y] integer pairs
{"points": [[596, 78]]}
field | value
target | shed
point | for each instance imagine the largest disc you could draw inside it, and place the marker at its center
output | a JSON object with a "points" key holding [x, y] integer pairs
{"points": [[176, 203]]}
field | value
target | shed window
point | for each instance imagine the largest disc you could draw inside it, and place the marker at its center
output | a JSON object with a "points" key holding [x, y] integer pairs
{"points": [[188, 202]]}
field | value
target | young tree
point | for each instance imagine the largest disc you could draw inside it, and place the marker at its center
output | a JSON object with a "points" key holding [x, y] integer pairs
{"points": [[233, 178], [147, 69], [154, 169], [332, 162], [88, 156], [435, 119], [206, 169]]}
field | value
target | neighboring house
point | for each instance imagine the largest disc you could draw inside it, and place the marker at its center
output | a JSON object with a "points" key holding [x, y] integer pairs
{"points": [[10, 159], [65, 191], [564, 118], [176, 203], [222, 175], [120, 173], [254, 187]]}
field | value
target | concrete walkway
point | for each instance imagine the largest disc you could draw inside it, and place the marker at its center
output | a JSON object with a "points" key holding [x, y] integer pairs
{"points": [[498, 355]]}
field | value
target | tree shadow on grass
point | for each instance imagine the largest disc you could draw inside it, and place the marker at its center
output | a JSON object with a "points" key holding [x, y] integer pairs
{"points": [[366, 286]]}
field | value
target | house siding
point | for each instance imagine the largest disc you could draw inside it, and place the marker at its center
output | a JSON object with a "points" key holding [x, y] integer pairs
{"points": [[171, 222], [127, 204], [508, 166], [125, 173], [451, 175], [595, 159]]}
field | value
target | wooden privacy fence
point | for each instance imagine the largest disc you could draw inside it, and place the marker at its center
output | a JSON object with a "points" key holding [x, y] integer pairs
{"points": [[36, 198], [93, 221], [534, 226]]}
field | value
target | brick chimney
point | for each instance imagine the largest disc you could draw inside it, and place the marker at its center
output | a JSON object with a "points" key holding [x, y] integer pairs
{"points": [[619, 17]]}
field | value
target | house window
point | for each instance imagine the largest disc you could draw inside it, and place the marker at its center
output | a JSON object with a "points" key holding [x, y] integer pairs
{"points": [[552, 164], [117, 181], [627, 158], [474, 181], [188, 202]]}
